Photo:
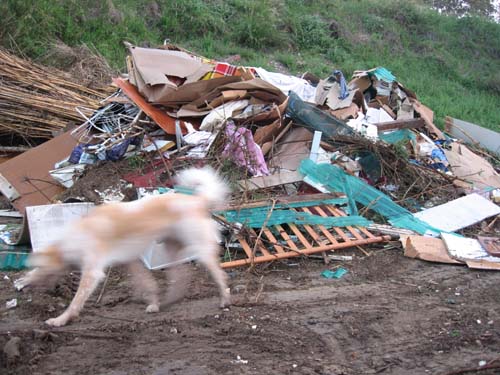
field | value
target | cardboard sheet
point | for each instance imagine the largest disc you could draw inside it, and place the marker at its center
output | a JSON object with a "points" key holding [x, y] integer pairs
{"points": [[294, 147], [426, 248], [190, 92], [25, 179], [477, 171], [459, 213], [428, 115], [346, 113], [151, 67], [256, 89]]}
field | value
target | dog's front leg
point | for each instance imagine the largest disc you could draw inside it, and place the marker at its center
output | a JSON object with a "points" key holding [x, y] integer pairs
{"points": [[145, 283], [32, 277], [89, 281], [211, 262]]}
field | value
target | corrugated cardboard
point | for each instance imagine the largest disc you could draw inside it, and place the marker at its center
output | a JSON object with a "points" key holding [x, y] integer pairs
{"points": [[190, 92], [428, 115], [28, 173], [426, 248], [151, 67], [471, 167], [295, 146], [255, 88]]}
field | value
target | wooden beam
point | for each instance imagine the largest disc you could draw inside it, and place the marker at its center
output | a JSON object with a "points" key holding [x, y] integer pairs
{"points": [[401, 124]]}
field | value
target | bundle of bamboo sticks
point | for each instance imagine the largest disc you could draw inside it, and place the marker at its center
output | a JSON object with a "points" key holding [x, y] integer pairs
{"points": [[36, 102]]}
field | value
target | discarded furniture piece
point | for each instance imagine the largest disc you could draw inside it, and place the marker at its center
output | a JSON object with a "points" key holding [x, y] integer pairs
{"points": [[295, 226]]}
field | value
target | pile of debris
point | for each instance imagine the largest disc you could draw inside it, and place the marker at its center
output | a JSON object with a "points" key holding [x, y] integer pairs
{"points": [[315, 164]]}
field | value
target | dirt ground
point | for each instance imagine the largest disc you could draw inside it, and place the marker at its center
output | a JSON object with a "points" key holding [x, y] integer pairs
{"points": [[388, 315]]}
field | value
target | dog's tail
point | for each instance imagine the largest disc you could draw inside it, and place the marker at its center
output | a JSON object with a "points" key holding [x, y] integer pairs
{"points": [[204, 182]]}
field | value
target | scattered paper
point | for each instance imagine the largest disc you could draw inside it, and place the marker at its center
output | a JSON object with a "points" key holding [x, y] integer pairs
{"points": [[11, 304]]}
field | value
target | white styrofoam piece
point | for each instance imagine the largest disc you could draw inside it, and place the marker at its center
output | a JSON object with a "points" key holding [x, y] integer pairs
{"points": [[156, 257], [315, 146], [466, 249], [459, 213], [46, 222]]}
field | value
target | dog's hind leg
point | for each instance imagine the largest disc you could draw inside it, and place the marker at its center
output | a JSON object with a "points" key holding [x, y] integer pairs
{"points": [[89, 281], [146, 284], [179, 277]]}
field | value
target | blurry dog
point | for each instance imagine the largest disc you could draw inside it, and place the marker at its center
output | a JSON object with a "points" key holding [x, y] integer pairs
{"points": [[120, 232]]}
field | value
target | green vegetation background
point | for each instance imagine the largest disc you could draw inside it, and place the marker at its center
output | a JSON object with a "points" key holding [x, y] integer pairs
{"points": [[453, 64]]}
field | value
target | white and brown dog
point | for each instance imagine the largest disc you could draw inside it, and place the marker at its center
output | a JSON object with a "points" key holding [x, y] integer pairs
{"points": [[120, 232]]}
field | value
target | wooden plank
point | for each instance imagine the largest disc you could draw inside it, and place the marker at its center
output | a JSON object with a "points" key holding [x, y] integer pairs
{"points": [[284, 199], [286, 237], [362, 229], [336, 229], [260, 246], [273, 239], [353, 231], [246, 248], [262, 182], [300, 236], [309, 229], [414, 123], [160, 117], [312, 250], [323, 229], [26, 180]]}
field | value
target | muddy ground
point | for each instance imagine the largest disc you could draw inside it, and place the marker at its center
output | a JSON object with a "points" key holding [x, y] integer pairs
{"points": [[388, 315]]}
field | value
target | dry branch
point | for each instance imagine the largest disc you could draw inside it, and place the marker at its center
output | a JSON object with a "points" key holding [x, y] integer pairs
{"points": [[36, 102]]}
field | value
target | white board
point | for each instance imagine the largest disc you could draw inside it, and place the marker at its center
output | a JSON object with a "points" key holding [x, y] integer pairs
{"points": [[459, 213], [467, 249], [46, 222]]}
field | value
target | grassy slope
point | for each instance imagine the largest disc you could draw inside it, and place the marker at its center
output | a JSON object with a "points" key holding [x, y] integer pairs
{"points": [[452, 64]]}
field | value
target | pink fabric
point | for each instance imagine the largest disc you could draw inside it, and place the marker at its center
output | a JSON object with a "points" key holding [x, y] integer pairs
{"points": [[243, 150]]}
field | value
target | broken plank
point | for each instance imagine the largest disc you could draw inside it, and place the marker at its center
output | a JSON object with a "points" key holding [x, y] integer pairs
{"points": [[400, 124], [262, 182]]}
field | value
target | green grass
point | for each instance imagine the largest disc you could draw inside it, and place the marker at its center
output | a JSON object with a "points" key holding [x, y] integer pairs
{"points": [[452, 64]]}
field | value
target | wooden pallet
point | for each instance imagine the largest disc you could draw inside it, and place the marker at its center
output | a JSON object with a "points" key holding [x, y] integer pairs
{"points": [[292, 240]]}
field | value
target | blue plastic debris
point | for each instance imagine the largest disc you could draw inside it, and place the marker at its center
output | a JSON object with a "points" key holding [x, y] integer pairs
{"points": [[337, 274]]}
